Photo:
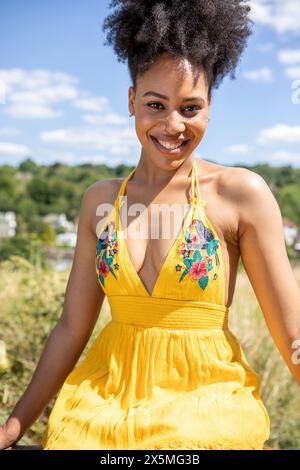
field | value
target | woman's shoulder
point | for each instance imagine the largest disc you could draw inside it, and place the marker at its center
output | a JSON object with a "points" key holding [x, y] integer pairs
{"points": [[232, 192], [239, 184], [231, 182], [105, 190], [245, 194], [101, 193]]}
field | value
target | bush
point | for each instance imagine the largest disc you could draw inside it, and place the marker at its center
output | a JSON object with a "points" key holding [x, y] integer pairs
{"points": [[28, 247], [31, 299]]}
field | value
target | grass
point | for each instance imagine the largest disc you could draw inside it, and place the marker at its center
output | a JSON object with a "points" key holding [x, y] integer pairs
{"points": [[31, 301], [279, 390]]}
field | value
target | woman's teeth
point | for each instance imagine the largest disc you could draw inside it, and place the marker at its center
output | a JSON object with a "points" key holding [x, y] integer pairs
{"points": [[169, 146]]}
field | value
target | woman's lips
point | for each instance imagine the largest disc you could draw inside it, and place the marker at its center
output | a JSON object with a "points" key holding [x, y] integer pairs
{"points": [[169, 151]]}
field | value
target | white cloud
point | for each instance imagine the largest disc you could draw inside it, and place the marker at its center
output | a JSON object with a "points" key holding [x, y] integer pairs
{"points": [[45, 95], [34, 94], [91, 103], [93, 159], [39, 94], [15, 150], [293, 72], [34, 111], [37, 78], [281, 133], [289, 56], [281, 15], [48, 156], [242, 149], [31, 94], [105, 139], [2, 93], [288, 157], [10, 131], [263, 74], [44, 155], [259, 11], [266, 47], [109, 118]]}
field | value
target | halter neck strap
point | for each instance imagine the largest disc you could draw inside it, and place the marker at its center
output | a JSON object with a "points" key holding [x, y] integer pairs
{"points": [[119, 198], [195, 188], [123, 185], [195, 197]]}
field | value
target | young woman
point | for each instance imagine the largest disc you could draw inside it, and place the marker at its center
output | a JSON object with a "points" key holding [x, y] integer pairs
{"points": [[166, 372]]}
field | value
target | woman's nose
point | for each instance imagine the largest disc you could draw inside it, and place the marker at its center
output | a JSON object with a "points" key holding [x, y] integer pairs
{"points": [[174, 123]]}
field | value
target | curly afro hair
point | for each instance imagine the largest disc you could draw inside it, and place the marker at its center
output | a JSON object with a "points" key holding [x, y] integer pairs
{"points": [[209, 33]]}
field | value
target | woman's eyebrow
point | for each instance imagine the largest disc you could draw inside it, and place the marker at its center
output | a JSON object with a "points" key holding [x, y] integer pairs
{"points": [[164, 97]]}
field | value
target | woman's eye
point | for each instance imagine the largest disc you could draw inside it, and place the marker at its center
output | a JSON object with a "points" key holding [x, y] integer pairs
{"points": [[192, 108], [150, 104]]}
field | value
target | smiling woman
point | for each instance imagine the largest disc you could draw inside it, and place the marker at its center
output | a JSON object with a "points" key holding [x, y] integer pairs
{"points": [[168, 128], [166, 372]]}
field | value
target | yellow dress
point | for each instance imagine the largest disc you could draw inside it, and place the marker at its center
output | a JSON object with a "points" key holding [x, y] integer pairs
{"points": [[166, 372]]}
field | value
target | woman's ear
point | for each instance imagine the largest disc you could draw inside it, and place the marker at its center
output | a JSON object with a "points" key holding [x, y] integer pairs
{"points": [[131, 99]]}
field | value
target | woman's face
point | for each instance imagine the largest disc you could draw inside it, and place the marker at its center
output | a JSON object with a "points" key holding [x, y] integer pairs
{"points": [[172, 118]]}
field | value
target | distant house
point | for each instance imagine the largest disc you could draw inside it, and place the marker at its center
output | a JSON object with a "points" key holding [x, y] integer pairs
{"points": [[58, 221], [290, 230], [23, 175], [8, 224], [297, 243]]}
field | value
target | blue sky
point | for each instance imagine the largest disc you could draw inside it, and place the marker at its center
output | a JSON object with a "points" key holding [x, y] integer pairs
{"points": [[64, 95]]}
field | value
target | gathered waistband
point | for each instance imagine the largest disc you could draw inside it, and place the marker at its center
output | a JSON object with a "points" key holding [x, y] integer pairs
{"points": [[168, 313]]}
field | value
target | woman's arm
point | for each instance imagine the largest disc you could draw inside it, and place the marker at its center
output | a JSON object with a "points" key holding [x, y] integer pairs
{"points": [[82, 304], [265, 259]]}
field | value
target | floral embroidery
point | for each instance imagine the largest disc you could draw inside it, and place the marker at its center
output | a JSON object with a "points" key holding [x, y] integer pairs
{"points": [[198, 266], [107, 247]]}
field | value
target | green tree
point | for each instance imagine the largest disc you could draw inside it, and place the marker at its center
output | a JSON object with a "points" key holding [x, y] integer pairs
{"points": [[28, 165], [40, 191], [7, 191], [27, 208], [48, 234], [28, 247], [7, 202], [288, 199]]}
